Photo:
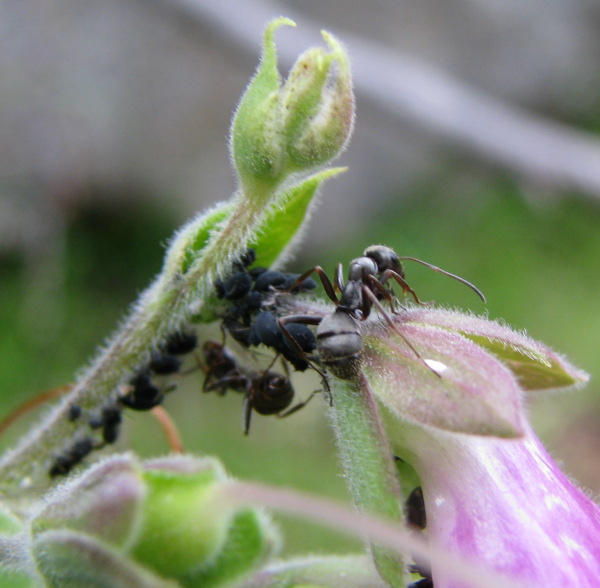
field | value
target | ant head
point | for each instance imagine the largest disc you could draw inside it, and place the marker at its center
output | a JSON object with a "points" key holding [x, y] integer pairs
{"points": [[385, 258], [360, 268]]}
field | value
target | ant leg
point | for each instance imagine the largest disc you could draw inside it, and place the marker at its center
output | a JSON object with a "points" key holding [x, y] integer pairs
{"points": [[338, 278], [327, 285], [405, 287], [435, 268], [297, 407], [247, 410], [221, 386], [390, 322], [386, 294], [305, 319]]}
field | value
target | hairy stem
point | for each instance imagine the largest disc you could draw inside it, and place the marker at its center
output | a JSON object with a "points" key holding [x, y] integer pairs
{"points": [[368, 464], [167, 304]]}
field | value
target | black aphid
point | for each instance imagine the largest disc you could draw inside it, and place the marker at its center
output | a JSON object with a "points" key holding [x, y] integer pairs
{"points": [[72, 456], [143, 394]]}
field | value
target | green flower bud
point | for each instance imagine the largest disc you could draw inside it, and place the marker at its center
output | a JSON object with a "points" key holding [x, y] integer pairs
{"points": [[183, 523], [105, 502], [125, 523], [318, 103], [306, 122]]}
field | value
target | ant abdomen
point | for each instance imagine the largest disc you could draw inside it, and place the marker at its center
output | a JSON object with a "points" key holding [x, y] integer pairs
{"points": [[339, 344], [274, 394]]}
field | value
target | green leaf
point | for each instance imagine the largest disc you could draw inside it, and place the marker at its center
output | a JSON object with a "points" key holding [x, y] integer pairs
{"points": [[9, 523], [14, 579], [202, 232], [533, 369], [283, 221]]}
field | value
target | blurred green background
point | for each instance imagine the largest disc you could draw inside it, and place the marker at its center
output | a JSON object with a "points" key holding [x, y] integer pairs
{"points": [[79, 245]]}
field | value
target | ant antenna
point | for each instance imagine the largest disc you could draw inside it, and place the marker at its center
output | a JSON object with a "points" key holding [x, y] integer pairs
{"points": [[435, 268]]}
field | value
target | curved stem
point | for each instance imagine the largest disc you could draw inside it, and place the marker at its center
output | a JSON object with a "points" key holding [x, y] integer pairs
{"points": [[169, 302], [368, 464]]}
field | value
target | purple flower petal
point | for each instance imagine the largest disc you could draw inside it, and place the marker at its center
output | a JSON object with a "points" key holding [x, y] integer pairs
{"points": [[505, 504], [454, 385]]}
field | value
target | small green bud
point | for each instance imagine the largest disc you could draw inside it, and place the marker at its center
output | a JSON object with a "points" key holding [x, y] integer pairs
{"points": [[184, 525], [256, 142], [306, 122], [318, 103], [105, 502], [126, 523]]}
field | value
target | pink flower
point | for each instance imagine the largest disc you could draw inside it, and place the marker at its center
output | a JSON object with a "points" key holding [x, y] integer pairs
{"points": [[492, 493]]}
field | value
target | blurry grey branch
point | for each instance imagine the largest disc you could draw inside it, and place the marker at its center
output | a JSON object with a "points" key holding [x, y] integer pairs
{"points": [[538, 148]]}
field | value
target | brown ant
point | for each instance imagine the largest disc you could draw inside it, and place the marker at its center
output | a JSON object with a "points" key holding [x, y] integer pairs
{"points": [[339, 341], [265, 392]]}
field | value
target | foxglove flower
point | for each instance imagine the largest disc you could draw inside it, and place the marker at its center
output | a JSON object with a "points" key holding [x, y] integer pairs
{"points": [[493, 495]]}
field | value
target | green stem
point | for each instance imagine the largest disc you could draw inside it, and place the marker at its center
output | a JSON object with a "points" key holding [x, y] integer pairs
{"points": [[368, 464], [167, 304]]}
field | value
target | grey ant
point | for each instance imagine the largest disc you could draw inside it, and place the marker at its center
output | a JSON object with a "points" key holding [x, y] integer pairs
{"points": [[339, 341]]}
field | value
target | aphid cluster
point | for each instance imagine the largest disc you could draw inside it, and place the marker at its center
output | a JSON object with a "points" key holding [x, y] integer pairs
{"points": [[253, 316], [248, 319], [140, 393]]}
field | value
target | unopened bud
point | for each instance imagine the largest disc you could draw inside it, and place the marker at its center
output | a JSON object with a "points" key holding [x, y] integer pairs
{"points": [[306, 122]]}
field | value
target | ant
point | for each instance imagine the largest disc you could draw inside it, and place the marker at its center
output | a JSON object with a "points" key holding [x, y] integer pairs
{"points": [[339, 341], [265, 392]]}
